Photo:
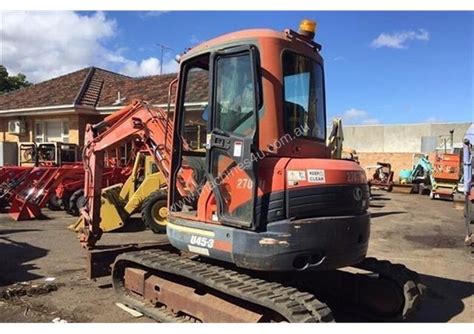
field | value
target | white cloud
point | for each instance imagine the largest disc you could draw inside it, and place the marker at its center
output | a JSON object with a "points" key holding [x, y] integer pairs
{"points": [[338, 58], [358, 116], [47, 44], [43, 45], [148, 66], [398, 40]]}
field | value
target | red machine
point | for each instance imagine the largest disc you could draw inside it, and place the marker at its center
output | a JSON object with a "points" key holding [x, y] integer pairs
{"points": [[10, 173], [27, 203], [382, 177], [37, 192], [67, 189], [260, 218], [26, 189], [446, 174], [12, 180]]}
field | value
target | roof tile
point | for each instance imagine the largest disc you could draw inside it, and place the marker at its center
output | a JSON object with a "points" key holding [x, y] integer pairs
{"points": [[95, 87], [54, 92]]}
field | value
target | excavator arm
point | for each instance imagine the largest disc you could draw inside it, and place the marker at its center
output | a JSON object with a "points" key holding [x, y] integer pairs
{"points": [[152, 127], [336, 138]]}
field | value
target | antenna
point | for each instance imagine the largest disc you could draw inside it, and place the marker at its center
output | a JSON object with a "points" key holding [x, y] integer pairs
{"points": [[162, 48]]}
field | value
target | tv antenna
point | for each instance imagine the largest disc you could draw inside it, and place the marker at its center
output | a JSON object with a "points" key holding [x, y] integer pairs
{"points": [[162, 48]]}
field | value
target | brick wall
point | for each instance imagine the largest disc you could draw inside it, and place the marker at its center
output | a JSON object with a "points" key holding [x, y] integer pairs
{"points": [[5, 136], [77, 124]]}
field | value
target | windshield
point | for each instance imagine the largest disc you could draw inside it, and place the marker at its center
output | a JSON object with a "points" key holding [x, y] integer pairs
{"points": [[235, 94], [304, 96]]}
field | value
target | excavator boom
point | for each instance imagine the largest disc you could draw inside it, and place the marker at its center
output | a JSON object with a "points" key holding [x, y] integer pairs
{"points": [[151, 127]]}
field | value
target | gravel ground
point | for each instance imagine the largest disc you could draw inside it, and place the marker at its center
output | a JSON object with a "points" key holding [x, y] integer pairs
{"points": [[425, 235]]}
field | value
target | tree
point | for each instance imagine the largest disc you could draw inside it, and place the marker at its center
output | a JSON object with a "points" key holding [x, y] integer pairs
{"points": [[9, 83]]}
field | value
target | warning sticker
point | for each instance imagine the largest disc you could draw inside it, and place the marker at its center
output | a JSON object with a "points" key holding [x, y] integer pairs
{"points": [[296, 175], [237, 149], [316, 176]]}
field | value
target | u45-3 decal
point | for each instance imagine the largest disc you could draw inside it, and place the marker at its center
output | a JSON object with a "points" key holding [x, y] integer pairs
{"points": [[202, 241]]}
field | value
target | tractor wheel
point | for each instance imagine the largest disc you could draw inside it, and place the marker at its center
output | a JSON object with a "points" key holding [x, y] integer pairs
{"points": [[76, 201], [155, 211], [53, 203]]}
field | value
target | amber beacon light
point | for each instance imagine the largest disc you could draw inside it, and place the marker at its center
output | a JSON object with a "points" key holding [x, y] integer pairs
{"points": [[308, 28]]}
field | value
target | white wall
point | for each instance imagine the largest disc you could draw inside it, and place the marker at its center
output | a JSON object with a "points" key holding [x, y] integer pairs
{"points": [[398, 137]]}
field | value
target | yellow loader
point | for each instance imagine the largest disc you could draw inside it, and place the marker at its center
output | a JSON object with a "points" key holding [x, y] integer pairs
{"points": [[145, 189]]}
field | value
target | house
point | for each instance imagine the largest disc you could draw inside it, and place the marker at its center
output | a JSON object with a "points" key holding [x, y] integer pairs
{"points": [[59, 109]]}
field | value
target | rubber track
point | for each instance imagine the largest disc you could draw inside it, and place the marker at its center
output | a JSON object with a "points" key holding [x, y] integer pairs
{"points": [[406, 279], [289, 302]]}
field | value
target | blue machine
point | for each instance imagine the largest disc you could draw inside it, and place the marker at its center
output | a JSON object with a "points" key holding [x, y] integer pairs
{"points": [[420, 174]]}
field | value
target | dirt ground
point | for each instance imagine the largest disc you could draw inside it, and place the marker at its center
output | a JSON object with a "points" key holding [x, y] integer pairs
{"points": [[425, 235]]}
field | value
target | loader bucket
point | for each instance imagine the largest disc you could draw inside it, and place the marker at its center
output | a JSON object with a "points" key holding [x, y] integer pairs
{"points": [[112, 213], [110, 216], [110, 221], [24, 210]]}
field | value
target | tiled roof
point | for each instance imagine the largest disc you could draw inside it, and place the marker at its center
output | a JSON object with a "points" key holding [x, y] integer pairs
{"points": [[153, 89], [95, 87], [58, 91]]}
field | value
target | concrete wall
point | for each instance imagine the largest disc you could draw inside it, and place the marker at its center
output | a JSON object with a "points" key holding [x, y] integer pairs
{"points": [[398, 138]]}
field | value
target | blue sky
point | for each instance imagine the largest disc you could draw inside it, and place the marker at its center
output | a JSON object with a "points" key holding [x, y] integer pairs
{"points": [[428, 80], [381, 67]]}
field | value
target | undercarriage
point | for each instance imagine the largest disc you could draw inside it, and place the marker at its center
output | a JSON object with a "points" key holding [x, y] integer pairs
{"points": [[172, 287]]}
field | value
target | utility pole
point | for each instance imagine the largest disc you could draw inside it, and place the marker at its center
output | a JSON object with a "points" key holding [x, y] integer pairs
{"points": [[162, 48]]}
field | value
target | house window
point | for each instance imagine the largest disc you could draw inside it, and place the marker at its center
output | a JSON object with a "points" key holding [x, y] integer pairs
{"points": [[65, 133], [39, 133], [49, 131]]}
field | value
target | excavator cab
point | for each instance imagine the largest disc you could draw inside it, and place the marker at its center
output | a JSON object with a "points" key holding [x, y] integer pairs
{"points": [[265, 167]]}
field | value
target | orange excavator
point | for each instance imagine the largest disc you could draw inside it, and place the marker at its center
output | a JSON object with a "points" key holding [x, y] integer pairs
{"points": [[262, 222]]}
